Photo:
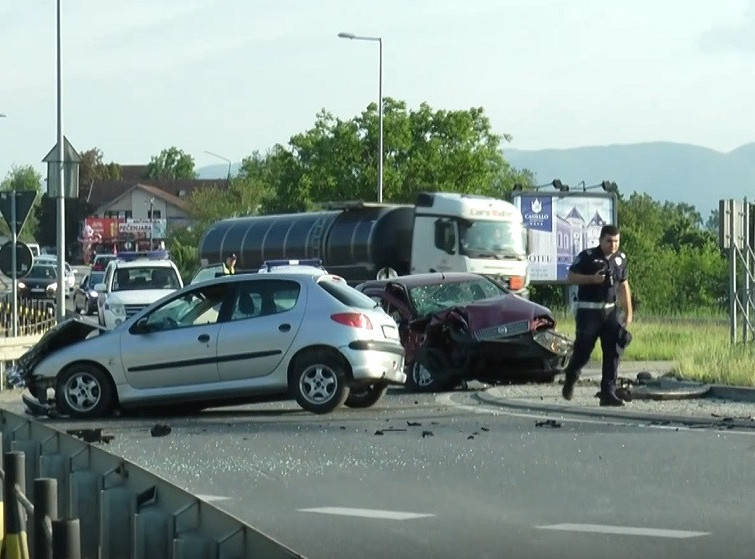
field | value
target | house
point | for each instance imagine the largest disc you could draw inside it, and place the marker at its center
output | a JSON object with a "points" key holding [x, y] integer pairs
{"points": [[129, 212]]}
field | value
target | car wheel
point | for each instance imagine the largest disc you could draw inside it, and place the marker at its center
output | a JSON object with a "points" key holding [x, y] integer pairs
{"points": [[318, 381], [84, 391], [425, 374], [366, 396]]}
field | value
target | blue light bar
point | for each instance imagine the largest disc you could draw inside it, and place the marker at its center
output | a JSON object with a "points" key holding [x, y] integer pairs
{"points": [[128, 256]]}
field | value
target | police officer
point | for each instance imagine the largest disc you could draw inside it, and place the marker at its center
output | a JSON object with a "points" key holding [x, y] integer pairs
{"points": [[601, 274], [229, 266]]}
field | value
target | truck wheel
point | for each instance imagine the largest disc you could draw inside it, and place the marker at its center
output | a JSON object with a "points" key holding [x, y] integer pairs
{"points": [[366, 396], [318, 381], [84, 391]]}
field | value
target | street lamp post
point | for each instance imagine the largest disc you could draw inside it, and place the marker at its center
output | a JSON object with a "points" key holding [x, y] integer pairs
{"points": [[379, 40], [224, 159], [151, 223], [61, 244]]}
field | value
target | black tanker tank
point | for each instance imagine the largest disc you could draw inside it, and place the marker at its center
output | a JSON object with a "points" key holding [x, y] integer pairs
{"points": [[354, 242]]}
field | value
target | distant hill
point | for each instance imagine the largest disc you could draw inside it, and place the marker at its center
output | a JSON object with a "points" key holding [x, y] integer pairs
{"points": [[219, 171], [664, 170]]}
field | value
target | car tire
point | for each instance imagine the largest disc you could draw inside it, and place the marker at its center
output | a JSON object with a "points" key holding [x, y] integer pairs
{"points": [[318, 381], [84, 391], [423, 374], [366, 396]]}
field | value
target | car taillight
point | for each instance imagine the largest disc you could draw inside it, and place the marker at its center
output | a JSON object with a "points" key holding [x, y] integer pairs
{"points": [[353, 319], [516, 282]]}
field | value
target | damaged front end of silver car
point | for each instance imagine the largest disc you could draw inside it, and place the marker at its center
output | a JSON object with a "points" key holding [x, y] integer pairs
{"points": [[37, 398]]}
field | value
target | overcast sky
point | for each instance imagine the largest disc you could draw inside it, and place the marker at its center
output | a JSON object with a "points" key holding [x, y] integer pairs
{"points": [[234, 76]]}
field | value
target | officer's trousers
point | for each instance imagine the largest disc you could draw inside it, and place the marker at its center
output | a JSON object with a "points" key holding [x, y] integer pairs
{"points": [[591, 325]]}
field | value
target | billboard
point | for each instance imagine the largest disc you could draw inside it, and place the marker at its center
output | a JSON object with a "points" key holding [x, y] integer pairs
{"points": [[561, 225]]}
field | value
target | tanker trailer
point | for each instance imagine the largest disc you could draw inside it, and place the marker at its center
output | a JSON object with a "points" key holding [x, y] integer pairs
{"points": [[354, 242]]}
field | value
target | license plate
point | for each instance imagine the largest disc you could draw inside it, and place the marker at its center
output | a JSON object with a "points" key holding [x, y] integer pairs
{"points": [[37, 289], [390, 332]]}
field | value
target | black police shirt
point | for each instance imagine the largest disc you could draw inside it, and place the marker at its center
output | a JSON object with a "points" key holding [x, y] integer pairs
{"points": [[592, 261]]}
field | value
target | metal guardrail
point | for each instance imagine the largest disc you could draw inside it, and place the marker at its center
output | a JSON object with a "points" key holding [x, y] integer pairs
{"points": [[106, 507], [35, 316]]}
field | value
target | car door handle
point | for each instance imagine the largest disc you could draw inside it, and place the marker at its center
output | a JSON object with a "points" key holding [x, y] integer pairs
{"points": [[284, 327], [204, 338]]}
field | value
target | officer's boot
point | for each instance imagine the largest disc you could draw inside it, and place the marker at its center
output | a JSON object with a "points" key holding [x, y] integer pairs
{"points": [[610, 399], [568, 389]]}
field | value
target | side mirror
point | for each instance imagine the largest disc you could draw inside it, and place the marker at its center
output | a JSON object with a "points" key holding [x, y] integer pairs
{"points": [[99, 287], [141, 327]]}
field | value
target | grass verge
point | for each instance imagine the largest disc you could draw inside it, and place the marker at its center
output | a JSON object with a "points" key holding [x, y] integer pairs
{"points": [[698, 345]]}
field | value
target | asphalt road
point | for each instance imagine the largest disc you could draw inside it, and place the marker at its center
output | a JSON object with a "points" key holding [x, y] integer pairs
{"points": [[448, 476]]}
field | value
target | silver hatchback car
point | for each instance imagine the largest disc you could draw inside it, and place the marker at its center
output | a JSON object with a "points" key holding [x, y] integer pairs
{"points": [[238, 338]]}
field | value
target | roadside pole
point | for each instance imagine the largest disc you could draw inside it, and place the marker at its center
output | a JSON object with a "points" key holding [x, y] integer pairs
{"points": [[14, 263]]}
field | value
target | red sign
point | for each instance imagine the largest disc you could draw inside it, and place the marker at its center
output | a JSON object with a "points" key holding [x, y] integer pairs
{"points": [[104, 227]]}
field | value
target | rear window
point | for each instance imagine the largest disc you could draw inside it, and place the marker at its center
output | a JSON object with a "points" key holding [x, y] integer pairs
{"points": [[347, 295]]}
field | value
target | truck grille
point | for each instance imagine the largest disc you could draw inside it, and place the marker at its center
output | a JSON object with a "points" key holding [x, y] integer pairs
{"points": [[503, 331]]}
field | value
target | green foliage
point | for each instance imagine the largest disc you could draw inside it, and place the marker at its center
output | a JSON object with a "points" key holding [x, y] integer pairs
{"points": [[171, 164], [92, 167], [23, 177], [426, 149], [675, 263], [182, 243]]}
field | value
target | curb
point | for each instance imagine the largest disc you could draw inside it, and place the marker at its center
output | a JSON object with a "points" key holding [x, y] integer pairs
{"points": [[612, 413], [733, 393]]}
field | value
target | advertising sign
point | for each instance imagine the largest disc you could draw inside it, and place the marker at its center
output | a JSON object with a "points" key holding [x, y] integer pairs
{"points": [[142, 227], [100, 228], [560, 226]]}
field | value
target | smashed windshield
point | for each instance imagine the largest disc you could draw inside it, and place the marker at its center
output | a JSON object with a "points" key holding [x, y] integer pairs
{"points": [[433, 298], [492, 239]]}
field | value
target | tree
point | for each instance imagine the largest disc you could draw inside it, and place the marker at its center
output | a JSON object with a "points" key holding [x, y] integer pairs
{"points": [[425, 149], [171, 164], [92, 167], [675, 262], [23, 177]]}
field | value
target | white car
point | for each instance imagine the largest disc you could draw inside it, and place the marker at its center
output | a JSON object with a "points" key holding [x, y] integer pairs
{"points": [[131, 286], [51, 259]]}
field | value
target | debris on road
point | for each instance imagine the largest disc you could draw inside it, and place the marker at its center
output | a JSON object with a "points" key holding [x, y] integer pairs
{"points": [[90, 435], [160, 430], [548, 423]]}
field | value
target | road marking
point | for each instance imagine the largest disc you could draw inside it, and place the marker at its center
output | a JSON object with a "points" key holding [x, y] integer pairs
{"points": [[625, 530], [368, 513], [677, 424], [210, 498]]}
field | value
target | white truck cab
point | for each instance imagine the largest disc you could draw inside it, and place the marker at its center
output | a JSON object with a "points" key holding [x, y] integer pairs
{"points": [[462, 232], [129, 286]]}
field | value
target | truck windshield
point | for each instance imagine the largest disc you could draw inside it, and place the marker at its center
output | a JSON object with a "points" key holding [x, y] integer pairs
{"points": [[492, 239]]}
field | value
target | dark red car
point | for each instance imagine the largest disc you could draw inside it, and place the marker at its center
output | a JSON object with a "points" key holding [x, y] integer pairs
{"points": [[463, 326]]}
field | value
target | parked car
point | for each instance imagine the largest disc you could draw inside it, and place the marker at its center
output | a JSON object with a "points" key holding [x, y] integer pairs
{"points": [[85, 295], [52, 260], [100, 261], [129, 286], [238, 338], [40, 283], [461, 326]]}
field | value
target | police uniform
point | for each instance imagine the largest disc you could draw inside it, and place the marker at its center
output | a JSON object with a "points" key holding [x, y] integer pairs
{"points": [[597, 316]]}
